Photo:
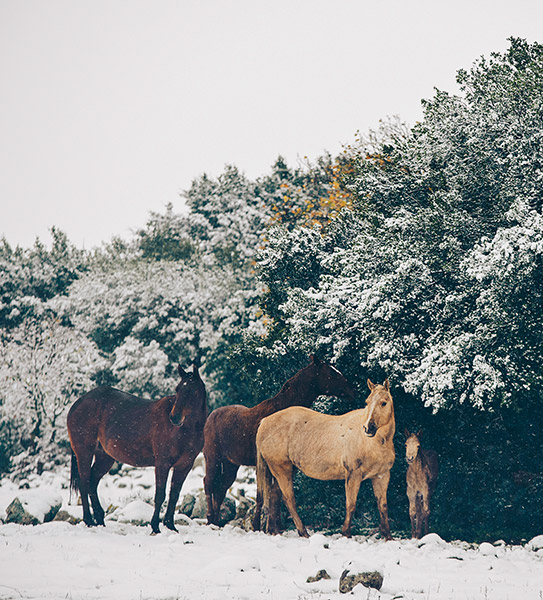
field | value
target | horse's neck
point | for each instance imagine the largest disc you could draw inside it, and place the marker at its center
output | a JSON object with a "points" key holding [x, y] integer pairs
{"points": [[295, 392], [389, 429], [165, 403]]}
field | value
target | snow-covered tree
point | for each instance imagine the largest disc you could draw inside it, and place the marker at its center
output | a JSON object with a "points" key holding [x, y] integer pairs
{"points": [[44, 367]]}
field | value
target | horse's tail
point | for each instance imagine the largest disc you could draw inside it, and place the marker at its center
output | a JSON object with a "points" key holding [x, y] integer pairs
{"points": [[264, 482], [74, 476]]}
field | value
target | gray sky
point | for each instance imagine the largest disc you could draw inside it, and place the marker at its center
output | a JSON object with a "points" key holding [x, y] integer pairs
{"points": [[109, 108]]}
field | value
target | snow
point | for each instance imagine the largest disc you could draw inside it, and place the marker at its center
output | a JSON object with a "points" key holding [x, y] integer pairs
{"points": [[121, 561]]}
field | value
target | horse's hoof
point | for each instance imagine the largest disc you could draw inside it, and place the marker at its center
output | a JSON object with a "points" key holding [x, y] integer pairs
{"points": [[171, 527]]}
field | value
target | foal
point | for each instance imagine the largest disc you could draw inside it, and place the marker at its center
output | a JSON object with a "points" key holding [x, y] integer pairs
{"points": [[421, 482]]}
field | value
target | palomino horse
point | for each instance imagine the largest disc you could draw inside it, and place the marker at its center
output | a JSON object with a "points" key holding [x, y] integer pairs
{"points": [[107, 425], [355, 446], [421, 481], [230, 431]]}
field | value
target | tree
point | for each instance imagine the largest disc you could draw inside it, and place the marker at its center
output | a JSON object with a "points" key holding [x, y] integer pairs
{"points": [[44, 367]]}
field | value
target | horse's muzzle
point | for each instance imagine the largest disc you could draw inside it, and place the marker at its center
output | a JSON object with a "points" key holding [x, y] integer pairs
{"points": [[177, 422], [370, 430]]}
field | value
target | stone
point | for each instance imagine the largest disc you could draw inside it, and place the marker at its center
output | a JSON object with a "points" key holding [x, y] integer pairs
{"points": [[322, 574], [187, 504], [228, 510], [199, 510], [371, 579], [243, 506], [64, 515], [31, 508], [16, 513]]}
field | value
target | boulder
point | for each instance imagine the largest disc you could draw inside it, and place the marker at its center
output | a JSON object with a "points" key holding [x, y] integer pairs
{"points": [[322, 574], [187, 504], [371, 579], [244, 505], [199, 509], [135, 513], [535, 543], [32, 507], [64, 515], [228, 510]]}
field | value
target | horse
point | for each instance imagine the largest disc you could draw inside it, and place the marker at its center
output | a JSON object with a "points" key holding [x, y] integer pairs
{"points": [[107, 424], [354, 446], [230, 431], [421, 482]]}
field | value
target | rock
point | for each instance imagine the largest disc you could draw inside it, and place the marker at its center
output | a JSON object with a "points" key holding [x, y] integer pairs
{"points": [[64, 515], [226, 514], [187, 504], [243, 506], [135, 513], [431, 538], [32, 508], [371, 579], [487, 549], [228, 510], [535, 543], [248, 524], [322, 574], [15, 513], [199, 510]]}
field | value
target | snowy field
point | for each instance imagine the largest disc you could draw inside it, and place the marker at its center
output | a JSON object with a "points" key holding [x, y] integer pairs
{"points": [[123, 561]]}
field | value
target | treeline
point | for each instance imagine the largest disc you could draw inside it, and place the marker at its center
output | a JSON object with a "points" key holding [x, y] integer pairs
{"points": [[415, 255]]}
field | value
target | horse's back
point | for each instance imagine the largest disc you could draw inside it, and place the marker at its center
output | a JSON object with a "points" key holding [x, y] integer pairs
{"points": [[229, 434], [311, 441], [431, 464]]}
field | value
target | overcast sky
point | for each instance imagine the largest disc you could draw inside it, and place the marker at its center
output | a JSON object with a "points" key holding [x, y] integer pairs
{"points": [[109, 108]]}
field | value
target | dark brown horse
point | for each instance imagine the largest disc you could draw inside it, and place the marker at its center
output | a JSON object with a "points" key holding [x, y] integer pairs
{"points": [[230, 431], [108, 425], [421, 480]]}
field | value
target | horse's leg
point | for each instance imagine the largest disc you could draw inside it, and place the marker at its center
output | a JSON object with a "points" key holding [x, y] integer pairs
{"points": [[178, 478], [228, 476], [161, 477], [425, 514], [352, 485], [412, 497], [418, 513], [274, 515], [84, 461], [283, 475], [380, 486], [102, 464], [210, 479]]}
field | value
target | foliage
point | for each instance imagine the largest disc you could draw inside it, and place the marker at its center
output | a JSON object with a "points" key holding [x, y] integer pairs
{"points": [[44, 367], [415, 255], [434, 280]]}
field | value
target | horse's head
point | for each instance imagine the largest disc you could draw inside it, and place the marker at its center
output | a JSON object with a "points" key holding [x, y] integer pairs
{"points": [[380, 409], [329, 381], [412, 446], [190, 398]]}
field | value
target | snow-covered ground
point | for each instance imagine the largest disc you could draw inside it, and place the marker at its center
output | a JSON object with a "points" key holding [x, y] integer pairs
{"points": [[123, 561]]}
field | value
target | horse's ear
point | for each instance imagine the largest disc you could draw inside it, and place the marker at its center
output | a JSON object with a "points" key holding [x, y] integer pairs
{"points": [[387, 385], [371, 385], [406, 432], [182, 372], [195, 369], [419, 433]]}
